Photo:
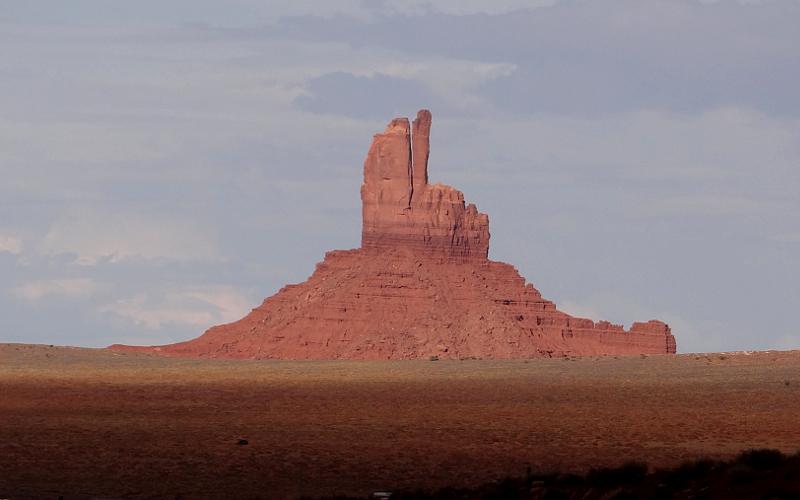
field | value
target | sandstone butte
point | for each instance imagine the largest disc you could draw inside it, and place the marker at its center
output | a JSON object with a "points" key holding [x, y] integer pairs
{"points": [[421, 285]]}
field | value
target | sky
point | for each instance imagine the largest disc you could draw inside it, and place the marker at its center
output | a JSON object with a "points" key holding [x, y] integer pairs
{"points": [[166, 165]]}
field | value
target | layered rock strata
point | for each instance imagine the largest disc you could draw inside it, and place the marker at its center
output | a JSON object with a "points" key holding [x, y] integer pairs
{"points": [[421, 285]]}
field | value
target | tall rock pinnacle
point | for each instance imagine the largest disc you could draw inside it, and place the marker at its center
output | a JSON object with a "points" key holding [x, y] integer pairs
{"points": [[401, 210], [420, 285], [421, 134]]}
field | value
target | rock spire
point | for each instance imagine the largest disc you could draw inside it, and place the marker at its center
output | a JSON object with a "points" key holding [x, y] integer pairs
{"points": [[401, 210]]}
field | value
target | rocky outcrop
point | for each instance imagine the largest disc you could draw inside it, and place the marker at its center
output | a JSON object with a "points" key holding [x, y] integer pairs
{"points": [[401, 210], [420, 285]]}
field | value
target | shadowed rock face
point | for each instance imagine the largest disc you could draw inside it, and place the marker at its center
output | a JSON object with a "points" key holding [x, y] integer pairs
{"points": [[420, 285]]}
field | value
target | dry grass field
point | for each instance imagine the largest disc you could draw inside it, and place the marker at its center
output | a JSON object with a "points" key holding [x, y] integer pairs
{"points": [[83, 423]]}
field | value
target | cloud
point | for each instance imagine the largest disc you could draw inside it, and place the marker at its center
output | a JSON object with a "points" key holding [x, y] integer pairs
{"points": [[590, 58], [240, 12], [66, 288], [704, 205], [396, 87], [364, 97], [199, 306], [115, 236], [10, 244], [462, 7], [787, 237], [705, 154]]}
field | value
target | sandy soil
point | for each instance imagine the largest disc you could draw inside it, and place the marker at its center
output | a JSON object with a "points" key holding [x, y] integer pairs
{"points": [[86, 423]]}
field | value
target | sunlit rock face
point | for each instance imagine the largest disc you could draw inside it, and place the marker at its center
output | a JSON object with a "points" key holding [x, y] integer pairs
{"points": [[401, 210], [421, 285]]}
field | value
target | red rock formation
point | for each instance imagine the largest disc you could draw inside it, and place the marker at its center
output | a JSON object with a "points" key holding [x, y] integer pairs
{"points": [[420, 285], [421, 148], [401, 210]]}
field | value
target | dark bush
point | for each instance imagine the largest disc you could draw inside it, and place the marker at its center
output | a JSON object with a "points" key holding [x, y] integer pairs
{"points": [[758, 473], [629, 473], [623, 495], [690, 471], [741, 474], [762, 459], [568, 479], [555, 494]]}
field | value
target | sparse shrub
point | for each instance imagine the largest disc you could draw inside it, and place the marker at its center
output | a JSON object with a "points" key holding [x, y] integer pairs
{"points": [[568, 479], [763, 459], [507, 488], [741, 474], [433, 358], [629, 473], [621, 494], [690, 471], [555, 494]]}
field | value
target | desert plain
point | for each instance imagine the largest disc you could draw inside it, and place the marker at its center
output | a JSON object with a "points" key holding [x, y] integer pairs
{"points": [[95, 423]]}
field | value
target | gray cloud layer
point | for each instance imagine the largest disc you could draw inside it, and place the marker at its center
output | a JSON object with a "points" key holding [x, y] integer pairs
{"points": [[166, 167]]}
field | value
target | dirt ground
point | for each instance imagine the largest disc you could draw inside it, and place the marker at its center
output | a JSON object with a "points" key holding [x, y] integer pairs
{"points": [[85, 423]]}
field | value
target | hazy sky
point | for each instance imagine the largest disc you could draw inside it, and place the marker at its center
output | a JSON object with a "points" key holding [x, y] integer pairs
{"points": [[166, 165]]}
